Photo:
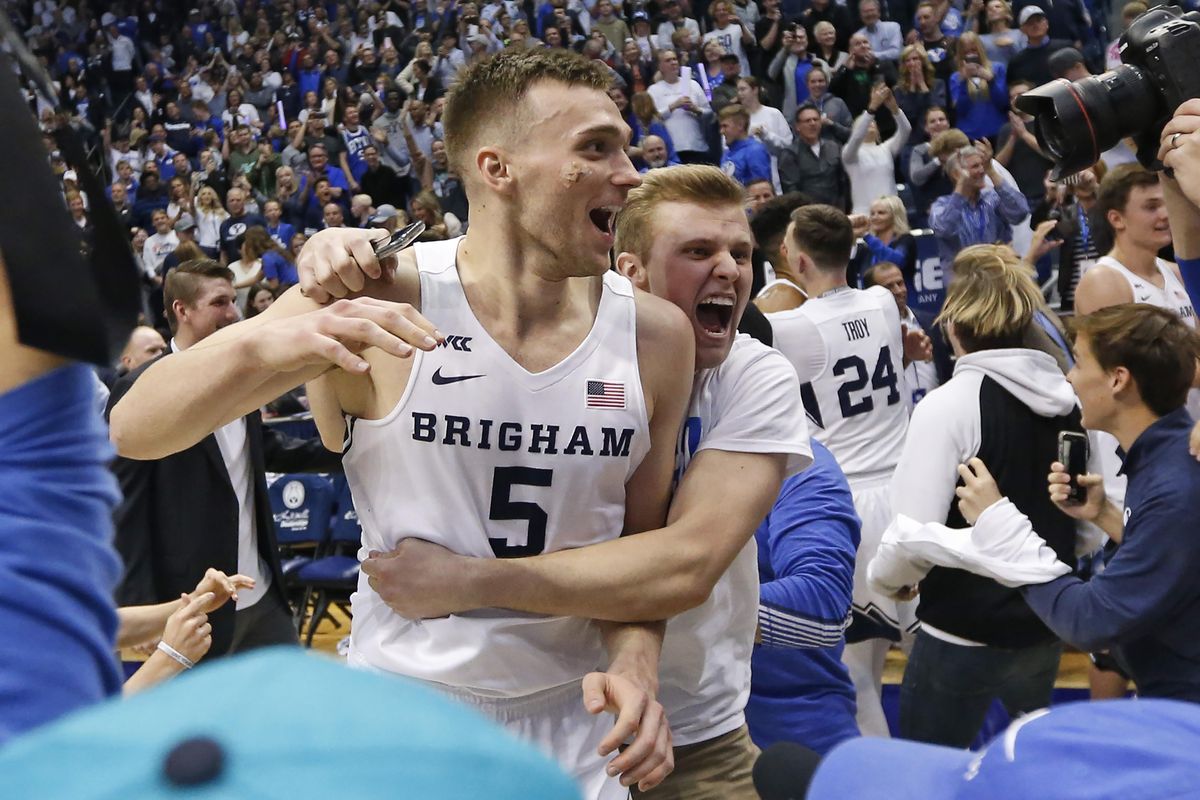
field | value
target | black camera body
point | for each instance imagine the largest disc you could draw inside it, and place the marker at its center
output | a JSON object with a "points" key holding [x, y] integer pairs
{"points": [[1077, 122]]}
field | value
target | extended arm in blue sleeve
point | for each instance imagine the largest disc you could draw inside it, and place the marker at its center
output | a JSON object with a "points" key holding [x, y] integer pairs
{"points": [[1153, 570], [883, 252], [57, 565], [811, 535]]}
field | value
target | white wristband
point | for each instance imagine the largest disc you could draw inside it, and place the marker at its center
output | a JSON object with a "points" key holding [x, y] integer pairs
{"points": [[175, 654]]}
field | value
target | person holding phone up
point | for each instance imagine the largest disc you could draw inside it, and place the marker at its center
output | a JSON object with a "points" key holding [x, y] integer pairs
{"points": [[1134, 365]]}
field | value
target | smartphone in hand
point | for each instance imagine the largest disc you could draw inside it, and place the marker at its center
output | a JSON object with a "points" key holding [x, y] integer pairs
{"points": [[1073, 454]]}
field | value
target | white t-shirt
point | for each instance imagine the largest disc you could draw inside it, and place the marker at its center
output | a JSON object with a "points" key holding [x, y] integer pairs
{"points": [[156, 249], [123, 53], [749, 404], [846, 348], [243, 271], [684, 127], [730, 38], [667, 29]]}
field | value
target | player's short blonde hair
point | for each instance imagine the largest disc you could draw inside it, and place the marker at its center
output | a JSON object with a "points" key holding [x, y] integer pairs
{"points": [[488, 95], [687, 183], [992, 299]]}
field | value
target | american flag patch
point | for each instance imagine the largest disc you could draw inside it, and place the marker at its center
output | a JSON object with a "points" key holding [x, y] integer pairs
{"points": [[605, 394]]}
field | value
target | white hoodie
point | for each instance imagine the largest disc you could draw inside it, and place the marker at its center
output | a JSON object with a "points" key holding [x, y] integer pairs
{"points": [[945, 428]]}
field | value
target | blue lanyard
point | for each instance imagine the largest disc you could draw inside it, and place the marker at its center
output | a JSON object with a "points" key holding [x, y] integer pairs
{"points": [[1085, 230]]}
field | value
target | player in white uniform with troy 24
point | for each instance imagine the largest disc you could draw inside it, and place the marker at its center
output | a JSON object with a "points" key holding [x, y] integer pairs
{"points": [[683, 236], [548, 419], [848, 348]]}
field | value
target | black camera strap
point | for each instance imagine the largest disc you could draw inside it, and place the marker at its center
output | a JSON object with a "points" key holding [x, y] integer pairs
{"points": [[77, 307]]}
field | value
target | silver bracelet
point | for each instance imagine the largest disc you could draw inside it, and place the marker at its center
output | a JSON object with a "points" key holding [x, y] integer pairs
{"points": [[175, 654]]}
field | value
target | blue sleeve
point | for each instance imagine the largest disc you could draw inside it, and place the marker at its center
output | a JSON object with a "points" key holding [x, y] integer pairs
{"points": [[810, 537], [1189, 268], [883, 252], [58, 568], [999, 87], [1012, 206], [270, 265], [1152, 573], [959, 95], [947, 214], [338, 178]]}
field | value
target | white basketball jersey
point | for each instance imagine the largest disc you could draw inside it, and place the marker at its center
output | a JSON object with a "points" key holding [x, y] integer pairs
{"points": [[847, 351], [1172, 296], [490, 460]]}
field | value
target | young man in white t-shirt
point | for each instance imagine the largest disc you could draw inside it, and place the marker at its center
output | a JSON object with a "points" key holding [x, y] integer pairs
{"points": [[680, 101], [850, 351], [683, 236]]}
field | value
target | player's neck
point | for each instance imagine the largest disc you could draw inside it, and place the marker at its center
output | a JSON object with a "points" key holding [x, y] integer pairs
{"points": [[1138, 260], [514, 288], [818, 282], [784, 273]]}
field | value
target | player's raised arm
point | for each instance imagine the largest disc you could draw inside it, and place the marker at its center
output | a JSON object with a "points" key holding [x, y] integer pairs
{"points": [[183, 397]]}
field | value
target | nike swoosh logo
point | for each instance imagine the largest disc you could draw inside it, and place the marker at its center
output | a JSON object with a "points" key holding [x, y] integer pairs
{"points": [[1143, 299], [441, 380]]}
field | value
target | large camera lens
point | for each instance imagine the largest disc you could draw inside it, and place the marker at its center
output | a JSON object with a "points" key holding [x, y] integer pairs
{"points": [[1077, 122]]}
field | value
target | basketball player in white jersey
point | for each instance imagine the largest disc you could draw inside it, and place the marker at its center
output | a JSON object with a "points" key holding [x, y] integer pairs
{"points": [[849, 351], [547, 418], [1131, 203], [683, 236]]}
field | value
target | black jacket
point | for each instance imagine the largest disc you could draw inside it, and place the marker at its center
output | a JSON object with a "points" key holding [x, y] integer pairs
{"points": [[179, 514], [820, 176]]}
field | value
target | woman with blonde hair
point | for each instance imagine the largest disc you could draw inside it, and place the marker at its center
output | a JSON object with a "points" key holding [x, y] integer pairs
{"points": [[918, 89], [406, 79], [1005, 404], [426, 208], [978, 90], [1045, 331], [209, 216], [1000, 39], [888, 238]]}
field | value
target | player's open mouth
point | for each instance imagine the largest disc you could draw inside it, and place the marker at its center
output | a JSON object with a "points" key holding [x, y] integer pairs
{"points": [[715, 314], [604, 219]]}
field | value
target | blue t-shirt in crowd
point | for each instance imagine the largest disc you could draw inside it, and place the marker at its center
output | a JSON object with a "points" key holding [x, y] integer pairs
{"points": [[746, 161], [276, 267]]}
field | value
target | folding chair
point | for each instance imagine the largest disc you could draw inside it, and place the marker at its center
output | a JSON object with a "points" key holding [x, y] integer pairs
{"points": [[301, 506], [333, 577]]}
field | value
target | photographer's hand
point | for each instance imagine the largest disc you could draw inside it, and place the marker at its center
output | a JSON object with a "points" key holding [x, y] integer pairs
{"points": [[1180, 149]]}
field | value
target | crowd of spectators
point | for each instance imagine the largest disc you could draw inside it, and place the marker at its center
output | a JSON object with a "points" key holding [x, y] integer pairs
{"points": [[298, 115]]}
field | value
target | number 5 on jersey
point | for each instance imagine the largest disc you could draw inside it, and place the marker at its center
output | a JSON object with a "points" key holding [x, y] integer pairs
{"points": [[504, 508]]}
